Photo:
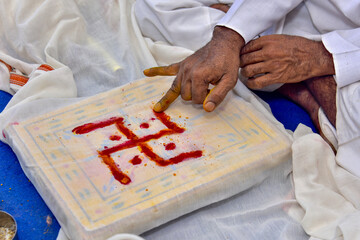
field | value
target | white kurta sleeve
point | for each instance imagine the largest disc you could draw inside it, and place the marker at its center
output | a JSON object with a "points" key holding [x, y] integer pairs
{"points": [[252, 17], [344, 45], [187, 23], [345, 48]]}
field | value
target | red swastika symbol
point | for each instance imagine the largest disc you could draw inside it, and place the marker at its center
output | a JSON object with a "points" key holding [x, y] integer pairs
{"points": [[133, 141]]}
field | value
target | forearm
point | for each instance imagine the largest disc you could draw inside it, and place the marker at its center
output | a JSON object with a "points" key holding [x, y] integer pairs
{"points": [[322, 61]]}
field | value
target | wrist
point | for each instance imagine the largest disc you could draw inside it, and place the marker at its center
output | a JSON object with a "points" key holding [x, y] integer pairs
{"points": [[228, 36], [325, 61]]}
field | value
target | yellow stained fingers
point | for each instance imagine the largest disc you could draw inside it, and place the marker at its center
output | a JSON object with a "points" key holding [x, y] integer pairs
{"points": [[170, 70], [175, 89], [208, 106], [169, 97]]}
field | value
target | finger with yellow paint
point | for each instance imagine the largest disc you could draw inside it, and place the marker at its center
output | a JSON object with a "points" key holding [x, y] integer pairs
{"points": [[218, 93], [169, 97], [170, 70], [174, 91]]}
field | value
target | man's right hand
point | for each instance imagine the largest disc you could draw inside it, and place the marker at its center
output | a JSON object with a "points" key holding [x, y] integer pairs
{"points": [[216, 63]]}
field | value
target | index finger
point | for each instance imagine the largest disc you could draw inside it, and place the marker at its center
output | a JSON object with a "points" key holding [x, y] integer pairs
{"points": [[170, 70], [169, 97]]}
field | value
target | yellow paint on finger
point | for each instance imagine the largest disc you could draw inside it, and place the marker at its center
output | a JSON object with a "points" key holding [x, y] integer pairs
{"points": [[205, 101], [170, 70]]}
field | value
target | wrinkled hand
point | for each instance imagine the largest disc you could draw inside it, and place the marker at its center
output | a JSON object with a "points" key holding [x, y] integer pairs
{"points": [[216, 63], [284, 59]]}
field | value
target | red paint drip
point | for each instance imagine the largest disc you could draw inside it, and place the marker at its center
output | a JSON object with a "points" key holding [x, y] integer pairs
{"points": [[170, 146], [152, 119], [116, 172], [88, 127], [115, 137], [144, 125], [136, 160]]}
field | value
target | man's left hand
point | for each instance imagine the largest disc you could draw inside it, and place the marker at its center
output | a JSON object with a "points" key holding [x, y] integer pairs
{"points": [[283, 59]]}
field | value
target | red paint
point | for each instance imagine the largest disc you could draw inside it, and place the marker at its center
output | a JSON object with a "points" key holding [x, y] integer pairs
{"points": [[165, 119], [88, 127], [170, 146], [152, 119], [115, 137], [116, 172], [3, 134], [144, 125], [183, 156], [136, 160], [134, 140]]}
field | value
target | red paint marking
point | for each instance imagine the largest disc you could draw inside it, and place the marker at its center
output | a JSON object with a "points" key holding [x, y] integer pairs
{"points": [[141, 142], [116, 172], [144, 125], [136, 141], [3, 134], [136, 160], [115, 137], [170, 146], [152, 119], [88, 127], [181, 157], [165, 119]]}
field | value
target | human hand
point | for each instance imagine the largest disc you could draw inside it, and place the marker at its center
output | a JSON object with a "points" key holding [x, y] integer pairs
{"points": [[216, 63], [283, 59], [221, 6]]}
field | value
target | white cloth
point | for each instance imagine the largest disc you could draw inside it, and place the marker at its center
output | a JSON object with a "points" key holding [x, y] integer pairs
{"points": [[102, 46], [187, 24], [337, 24], [329, 194]]}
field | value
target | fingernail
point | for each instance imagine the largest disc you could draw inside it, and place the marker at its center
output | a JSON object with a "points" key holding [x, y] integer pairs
{"points": [[146, 72], [209, 106], [157, 107]]}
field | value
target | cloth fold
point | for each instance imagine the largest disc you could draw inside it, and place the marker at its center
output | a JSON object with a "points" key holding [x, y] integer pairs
{"points": [[328, 193], [96, 47]]}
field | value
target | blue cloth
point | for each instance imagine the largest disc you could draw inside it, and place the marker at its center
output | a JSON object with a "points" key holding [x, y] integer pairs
{"points": [[19, 197]]}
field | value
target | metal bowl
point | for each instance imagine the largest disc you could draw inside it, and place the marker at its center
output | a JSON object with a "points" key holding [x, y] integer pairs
{"points": [[8, 226]]}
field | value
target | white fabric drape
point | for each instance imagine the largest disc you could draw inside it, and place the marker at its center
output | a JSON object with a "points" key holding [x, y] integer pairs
{"points": [[96, 46]]}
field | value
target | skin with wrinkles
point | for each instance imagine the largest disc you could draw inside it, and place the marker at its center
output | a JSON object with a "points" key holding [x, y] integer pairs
{"points": [[217, 63], [304, 66], [283, 59]]}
